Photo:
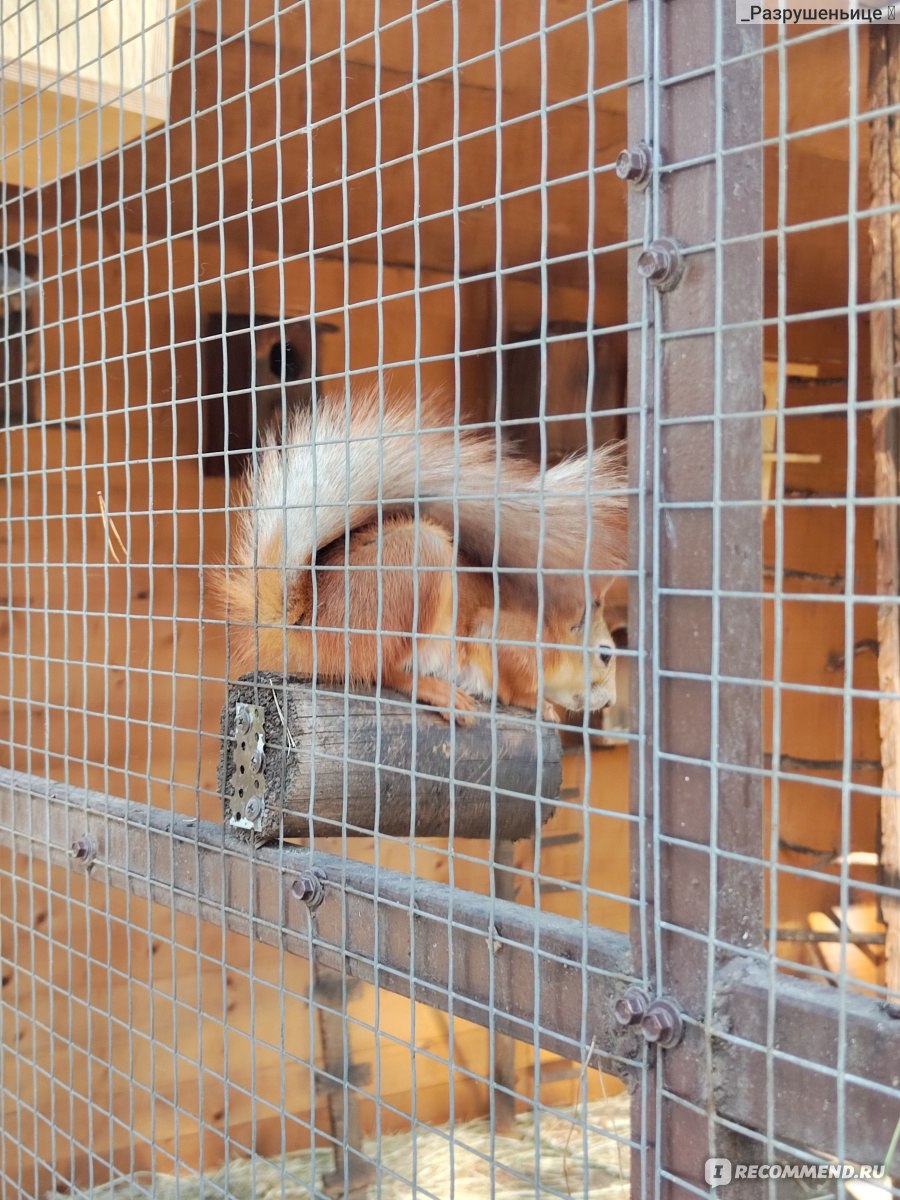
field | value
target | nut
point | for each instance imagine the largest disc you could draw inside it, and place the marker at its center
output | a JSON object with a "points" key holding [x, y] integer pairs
{"points": [[631, 1007], [662, 264], [635, 164], [662, 1025], [84, 849], [310, 888]]}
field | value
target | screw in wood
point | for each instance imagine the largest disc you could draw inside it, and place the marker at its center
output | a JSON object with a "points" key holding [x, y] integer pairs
{"points": [[253, 808]]}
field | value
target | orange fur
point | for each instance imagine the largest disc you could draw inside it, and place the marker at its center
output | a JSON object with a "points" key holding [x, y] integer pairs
{"points": [[385, 609], [318, 589]]}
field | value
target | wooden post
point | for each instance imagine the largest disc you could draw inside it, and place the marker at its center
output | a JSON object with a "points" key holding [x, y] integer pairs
{"points": [[298, 760], [341, 1079], [884, 333], [504, 1081]]}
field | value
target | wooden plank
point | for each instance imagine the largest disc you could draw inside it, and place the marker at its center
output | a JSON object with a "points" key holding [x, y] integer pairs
{"points": [[74, 89], [884, 326], [474, 27], [819, 1039]]}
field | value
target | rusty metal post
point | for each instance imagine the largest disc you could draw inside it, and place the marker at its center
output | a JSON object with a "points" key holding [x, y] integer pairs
{"points": [[689, 372], [884, 334]]}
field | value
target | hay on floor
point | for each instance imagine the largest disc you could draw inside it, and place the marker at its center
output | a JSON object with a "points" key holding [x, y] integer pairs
{"points": [[553, 1154]]}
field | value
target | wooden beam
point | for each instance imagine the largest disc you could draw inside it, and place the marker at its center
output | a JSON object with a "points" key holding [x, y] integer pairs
{"points": [[75, 89], [884, 180]]}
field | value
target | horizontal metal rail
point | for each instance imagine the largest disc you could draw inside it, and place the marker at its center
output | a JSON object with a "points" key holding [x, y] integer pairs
{"points": [[787, 1047], [540, 978]]}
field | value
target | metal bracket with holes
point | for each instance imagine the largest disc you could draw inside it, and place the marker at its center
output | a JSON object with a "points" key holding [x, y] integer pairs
{"points": [[248, 782]]}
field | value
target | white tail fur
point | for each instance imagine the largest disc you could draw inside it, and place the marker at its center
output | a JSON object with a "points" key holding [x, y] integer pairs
{"points": [[336, 471]]}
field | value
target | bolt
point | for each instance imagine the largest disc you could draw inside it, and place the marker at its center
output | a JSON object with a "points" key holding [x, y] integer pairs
{"points": [[309, 888], [253, 808], [662, 1025], [242, 719], [661, 264], [84, 849], [256, 761], [632, 1006], [634, 165]]}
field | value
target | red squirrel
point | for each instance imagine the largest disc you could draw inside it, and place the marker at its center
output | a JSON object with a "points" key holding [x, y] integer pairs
{"points": [[319, 586]]}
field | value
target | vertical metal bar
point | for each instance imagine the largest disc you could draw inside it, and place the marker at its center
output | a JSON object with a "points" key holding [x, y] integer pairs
{"points": [[696, 731]]}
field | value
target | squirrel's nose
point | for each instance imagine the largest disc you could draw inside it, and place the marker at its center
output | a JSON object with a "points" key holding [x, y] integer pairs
{"points": [[606, 653]]}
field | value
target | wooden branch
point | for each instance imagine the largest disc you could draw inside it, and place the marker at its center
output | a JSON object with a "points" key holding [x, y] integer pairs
{"points": [[317, 761], [884, 178], [353, 1170]]}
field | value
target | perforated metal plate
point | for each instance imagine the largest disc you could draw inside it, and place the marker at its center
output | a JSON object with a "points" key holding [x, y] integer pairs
{"points": [[248, 783]]}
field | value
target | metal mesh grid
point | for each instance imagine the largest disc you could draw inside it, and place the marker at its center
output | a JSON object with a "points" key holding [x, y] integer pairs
{"points": [[418, 199]]}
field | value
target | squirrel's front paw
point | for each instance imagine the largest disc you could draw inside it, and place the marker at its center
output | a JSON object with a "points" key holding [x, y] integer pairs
{"points": [[457, 717], [550, 712], [463, 705]]}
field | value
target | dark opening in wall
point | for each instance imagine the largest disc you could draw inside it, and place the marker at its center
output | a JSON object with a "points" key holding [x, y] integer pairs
{"points": [[285, 361], [255, 371], [18, 320]]}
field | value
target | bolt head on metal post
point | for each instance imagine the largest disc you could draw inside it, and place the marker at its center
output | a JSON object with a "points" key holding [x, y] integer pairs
{"points": [[257, 761], [84, 849], [631, 1007], [662, 264], [242, 720], [310, 888], [634, 165], [662, 1024]]}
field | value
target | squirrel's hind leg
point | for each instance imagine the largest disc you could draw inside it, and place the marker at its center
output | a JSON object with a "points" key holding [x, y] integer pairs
{"points": [[411, 587], [452, 703]]}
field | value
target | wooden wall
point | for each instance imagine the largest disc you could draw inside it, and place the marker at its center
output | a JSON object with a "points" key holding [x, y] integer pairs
{"points": [[170, 1005], [133, 1027], [816, 554]]}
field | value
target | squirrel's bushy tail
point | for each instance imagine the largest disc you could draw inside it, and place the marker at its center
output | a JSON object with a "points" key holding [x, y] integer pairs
{"points": [[340, 466]]}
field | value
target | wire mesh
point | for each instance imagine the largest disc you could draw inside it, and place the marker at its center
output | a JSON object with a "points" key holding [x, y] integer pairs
{"points": [[217, 216]]}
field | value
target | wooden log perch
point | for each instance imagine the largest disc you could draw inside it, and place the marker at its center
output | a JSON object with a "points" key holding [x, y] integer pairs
{"points": [[884, 336], [298, 761]]}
